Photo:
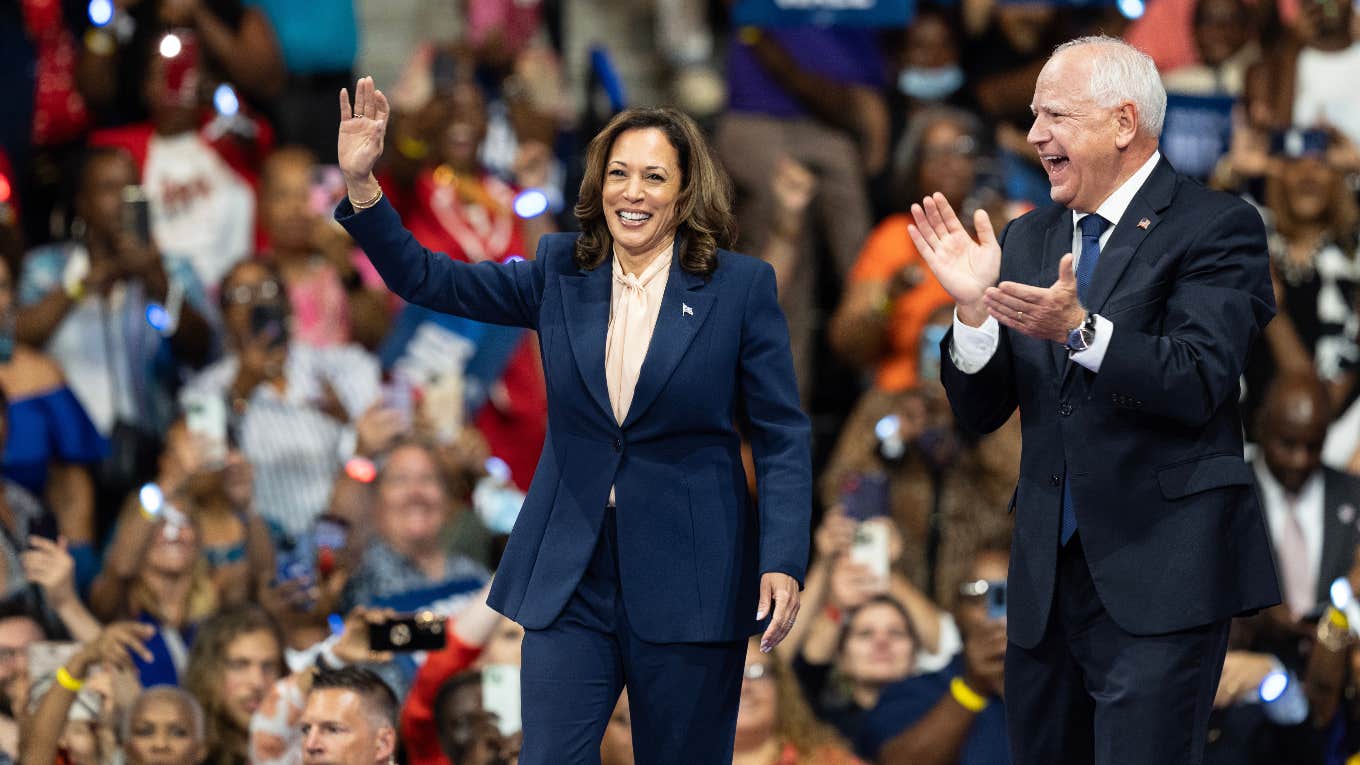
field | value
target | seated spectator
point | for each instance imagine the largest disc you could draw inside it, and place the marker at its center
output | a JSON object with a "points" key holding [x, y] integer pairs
{"points": [[350, 719], [73, 720], [955, 715], [891, 293], [1313, 230], [85, 302], [335, 293], [875, 647], [292, 402], [775, 725], [1227, 46], [469, 734], [165, 727], [59, 442], [237, 656], [946, 490], [406, 566]]}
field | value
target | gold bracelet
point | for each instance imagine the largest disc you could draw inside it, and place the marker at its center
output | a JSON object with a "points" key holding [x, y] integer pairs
{"points": [[365, 205], [967, 697], [68, 681]]}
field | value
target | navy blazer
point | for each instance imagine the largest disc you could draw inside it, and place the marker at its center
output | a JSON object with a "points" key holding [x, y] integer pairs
{"points": [[1152, 445], [692, 542]]}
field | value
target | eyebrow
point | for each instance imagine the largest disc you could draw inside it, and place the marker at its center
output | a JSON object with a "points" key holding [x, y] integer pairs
{"points": [[648, 167]]}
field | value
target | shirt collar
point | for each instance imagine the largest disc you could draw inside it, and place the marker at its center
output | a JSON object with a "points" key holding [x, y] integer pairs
{"points": [[659, 265], [1112, 209]]}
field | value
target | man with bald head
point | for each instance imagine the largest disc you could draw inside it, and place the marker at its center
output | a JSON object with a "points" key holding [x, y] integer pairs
{"points": [[1118, 320], [1311, 510]]}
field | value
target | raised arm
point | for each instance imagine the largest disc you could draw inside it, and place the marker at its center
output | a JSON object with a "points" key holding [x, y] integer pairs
{"points": [[499, 293]]}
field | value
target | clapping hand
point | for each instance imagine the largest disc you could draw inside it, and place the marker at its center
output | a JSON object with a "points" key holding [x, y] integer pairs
{"points": [[964, 267]]}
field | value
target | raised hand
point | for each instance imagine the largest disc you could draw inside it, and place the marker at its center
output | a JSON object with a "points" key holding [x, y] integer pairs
{"points": [[362, 127], [965, 267]]}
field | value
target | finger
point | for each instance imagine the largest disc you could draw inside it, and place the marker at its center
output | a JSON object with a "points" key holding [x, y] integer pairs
{"points": [[1025, 292], [370, 103], [381, 107], [918, 238], [1009, 302], [345, 111], [951, 220], [982, 224], [935, 217], [360, 96], [1066, 274], [763, 607]]}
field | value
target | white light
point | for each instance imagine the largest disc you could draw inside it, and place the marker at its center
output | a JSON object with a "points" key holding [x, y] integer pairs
{"points": [[887, 427], [531, 203], [151, 498], [1273, 686], [101, 12], [513, 258], [1132, 9], [497, 468], [1341, 593], [157, 317], [224, 98], [170, 45]]}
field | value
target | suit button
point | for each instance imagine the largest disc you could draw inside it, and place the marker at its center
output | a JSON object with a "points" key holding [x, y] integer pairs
{"points": [[1055, 480], [618, 445], [1116, 399], [1065, 409]]}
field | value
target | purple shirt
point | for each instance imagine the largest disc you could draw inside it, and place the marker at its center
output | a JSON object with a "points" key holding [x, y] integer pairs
{"points": [[844, 54]]}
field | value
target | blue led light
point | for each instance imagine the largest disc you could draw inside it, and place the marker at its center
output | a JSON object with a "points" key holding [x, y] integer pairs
{"points": [[513, 258], [151, 498], [336, 622], [530, 203], [157, 317], [101, 12], [888, 427], [1273, 686], [1132, 9], [497, 468], [225, 100]]}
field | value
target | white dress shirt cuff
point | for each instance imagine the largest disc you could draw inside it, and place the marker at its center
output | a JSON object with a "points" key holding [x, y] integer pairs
{"points": [[1091, 357], [972, 347]]}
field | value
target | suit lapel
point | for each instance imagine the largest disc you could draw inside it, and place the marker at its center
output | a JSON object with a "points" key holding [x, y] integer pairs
{"points": [[684, 306], [585, 301], [1057, 243], [1337, 538]]}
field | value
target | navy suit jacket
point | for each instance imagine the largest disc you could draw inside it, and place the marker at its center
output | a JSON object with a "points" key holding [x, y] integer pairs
{"points": [[1166, 507], [692, 543]]}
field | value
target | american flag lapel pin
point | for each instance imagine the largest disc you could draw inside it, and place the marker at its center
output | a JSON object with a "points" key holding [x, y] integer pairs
{"points": [[1144, 223], [685, 310]]}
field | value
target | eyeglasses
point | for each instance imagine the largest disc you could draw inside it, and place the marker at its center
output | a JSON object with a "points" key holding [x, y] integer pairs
{"points": [[249, 293]]}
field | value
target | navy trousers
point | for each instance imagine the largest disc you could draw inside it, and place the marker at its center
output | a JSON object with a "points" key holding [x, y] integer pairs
{"points": [[682, 697], [1090, 692]]}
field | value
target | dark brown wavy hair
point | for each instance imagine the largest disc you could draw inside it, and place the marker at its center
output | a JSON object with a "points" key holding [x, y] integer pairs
{"points": [[704, 207]]}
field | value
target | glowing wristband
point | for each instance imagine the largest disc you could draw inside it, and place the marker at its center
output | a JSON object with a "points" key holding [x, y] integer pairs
{"points": [[361, 469], [967, 697], [68, 681]]}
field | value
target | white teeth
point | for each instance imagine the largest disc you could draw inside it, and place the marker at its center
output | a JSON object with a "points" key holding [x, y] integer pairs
{"points": [[633, 216]]}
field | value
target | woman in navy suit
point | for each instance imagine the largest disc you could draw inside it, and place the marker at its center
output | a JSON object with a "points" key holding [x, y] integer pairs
{"points": [[638, 559]]}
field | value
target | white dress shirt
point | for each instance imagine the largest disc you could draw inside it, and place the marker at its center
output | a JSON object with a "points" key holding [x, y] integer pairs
{"points": [[1309, 508], [972, 347]]}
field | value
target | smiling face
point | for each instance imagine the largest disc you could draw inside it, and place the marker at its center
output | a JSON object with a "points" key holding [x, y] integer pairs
{"points": [[642, 184], [1079, 142], [412, 505]]}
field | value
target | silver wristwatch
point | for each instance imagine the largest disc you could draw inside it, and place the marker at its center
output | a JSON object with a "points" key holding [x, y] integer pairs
{"points": [[1081, 337]]}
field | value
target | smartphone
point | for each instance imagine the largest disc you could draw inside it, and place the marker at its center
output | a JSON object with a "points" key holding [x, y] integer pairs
{"points": [[330, 534], [179, 48], [442, 405], [996, 600], [137, 212], [500, 696], [871, 548], [865, 496], [398, 393], [44, 525], [269, 320], [206, 416], [422, 631]]}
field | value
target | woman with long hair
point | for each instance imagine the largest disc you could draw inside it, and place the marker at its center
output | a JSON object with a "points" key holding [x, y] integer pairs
{"points": [[236, 658]]}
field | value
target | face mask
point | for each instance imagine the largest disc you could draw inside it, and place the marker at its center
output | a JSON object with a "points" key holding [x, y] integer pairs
{"points": [[933, 84]]}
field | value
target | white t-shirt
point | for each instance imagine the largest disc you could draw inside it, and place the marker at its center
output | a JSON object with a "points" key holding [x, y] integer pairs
{"points": [[1324, 90]]}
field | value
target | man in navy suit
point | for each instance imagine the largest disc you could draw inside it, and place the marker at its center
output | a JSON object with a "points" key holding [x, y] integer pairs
{"points": [[1118, 321]]}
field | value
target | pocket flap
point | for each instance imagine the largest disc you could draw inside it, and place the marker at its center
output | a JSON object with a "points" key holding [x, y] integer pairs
{"points": [[1213, 472]]}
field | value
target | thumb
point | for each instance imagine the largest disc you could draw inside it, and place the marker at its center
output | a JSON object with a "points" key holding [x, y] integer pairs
{"points": [[1066, 276], [982, 224], [765, 594]]}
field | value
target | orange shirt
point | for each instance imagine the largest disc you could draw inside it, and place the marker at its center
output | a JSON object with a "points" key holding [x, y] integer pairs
{"points": [[888, 250]]}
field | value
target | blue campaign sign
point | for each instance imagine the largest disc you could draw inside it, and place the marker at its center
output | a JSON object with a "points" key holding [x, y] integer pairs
{"points": [[1197, 131], [824, 13]]}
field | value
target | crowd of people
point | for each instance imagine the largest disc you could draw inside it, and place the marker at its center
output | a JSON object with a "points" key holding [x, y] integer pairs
{"points": [[242, 479]]}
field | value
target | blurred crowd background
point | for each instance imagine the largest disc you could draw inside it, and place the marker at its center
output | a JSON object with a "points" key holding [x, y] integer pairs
{"points": [[230, 454]]}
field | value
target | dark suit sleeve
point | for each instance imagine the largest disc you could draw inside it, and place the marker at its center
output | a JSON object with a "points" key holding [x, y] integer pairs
{"points": [[497, 293], [1220, 300], [985, 400], [779, 431]]}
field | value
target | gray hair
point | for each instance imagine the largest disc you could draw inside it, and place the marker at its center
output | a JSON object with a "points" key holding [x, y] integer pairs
{"points": [[175, 695], [1120, 73]]}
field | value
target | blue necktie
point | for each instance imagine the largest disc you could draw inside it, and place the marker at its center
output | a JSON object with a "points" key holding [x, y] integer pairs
{"points": [[1092, 226]]}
